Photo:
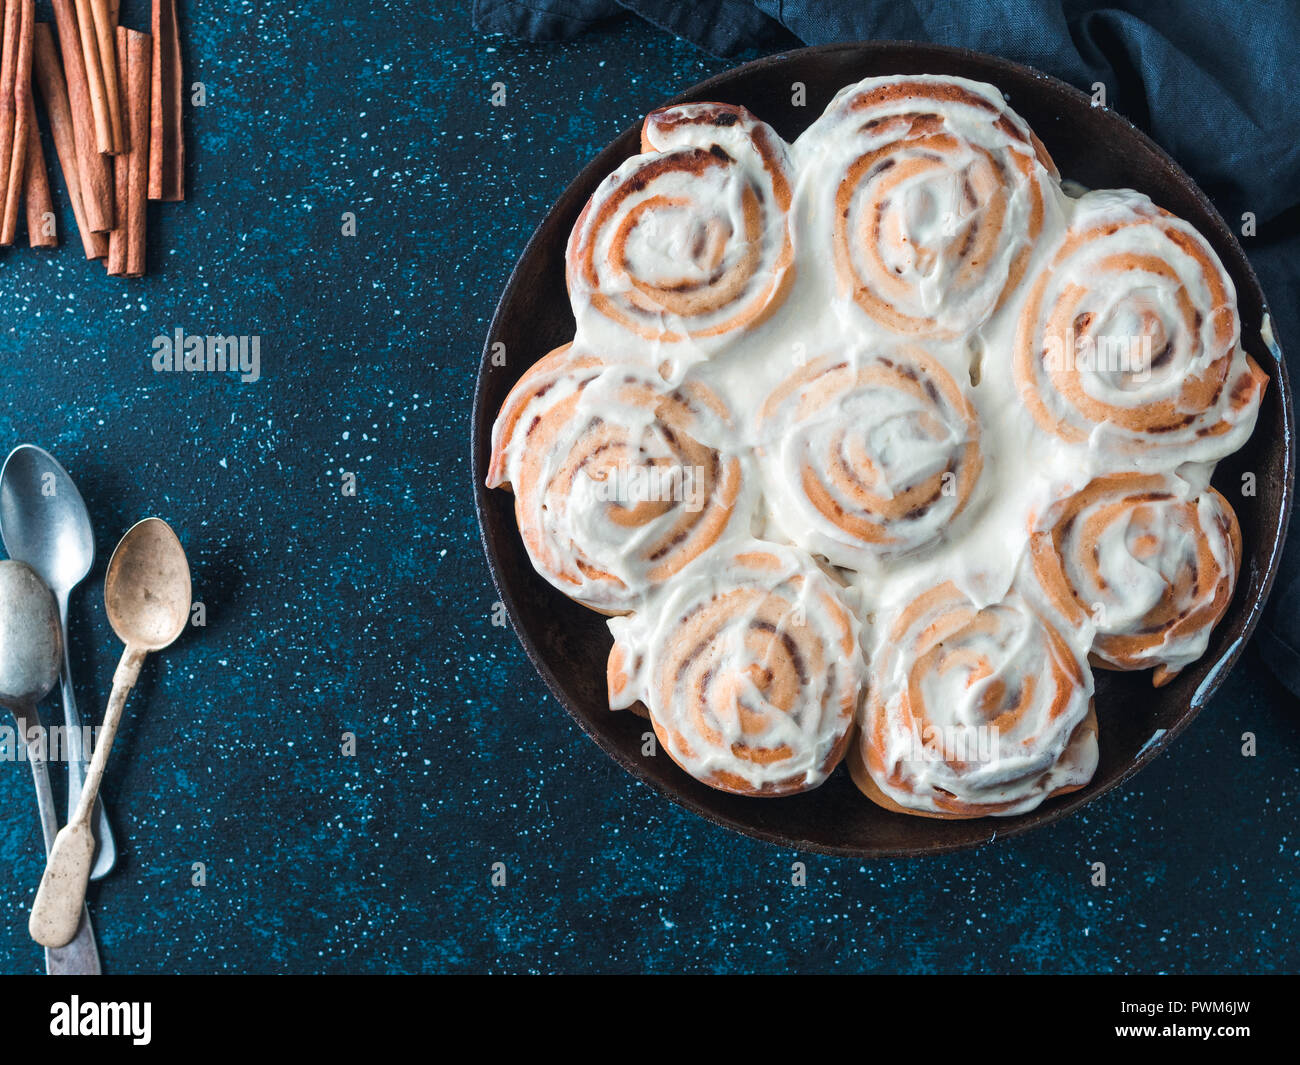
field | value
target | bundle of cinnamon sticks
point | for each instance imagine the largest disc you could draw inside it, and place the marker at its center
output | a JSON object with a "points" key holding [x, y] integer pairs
{"points": [[113, 101]]}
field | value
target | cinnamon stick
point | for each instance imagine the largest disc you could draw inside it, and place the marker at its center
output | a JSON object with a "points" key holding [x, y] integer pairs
{"points": [[139, 78], [8, 68], [96, 175], [105, 28], [117, 239], [167, 139], [54, 91], [98, 93], [41, 230], [17, 161]]}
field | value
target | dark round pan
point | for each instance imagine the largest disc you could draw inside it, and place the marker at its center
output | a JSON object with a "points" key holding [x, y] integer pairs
{"points": [[569, 644]]}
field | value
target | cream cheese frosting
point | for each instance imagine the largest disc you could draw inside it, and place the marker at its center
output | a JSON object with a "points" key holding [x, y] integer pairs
{"points": [[752, 680]]}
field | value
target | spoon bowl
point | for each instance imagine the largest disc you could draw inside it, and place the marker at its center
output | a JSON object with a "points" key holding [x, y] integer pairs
{"points": [[43, 519], [147, 589], [31, 648]]}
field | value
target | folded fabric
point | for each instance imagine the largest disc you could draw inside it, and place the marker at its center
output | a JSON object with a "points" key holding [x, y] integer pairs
{"points": [[1211, 82], [722, 27]]}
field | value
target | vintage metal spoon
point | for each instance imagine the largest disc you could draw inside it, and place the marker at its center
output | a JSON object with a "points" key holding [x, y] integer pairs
{"points": [[147, 595], [29, 665], [44, 523]]}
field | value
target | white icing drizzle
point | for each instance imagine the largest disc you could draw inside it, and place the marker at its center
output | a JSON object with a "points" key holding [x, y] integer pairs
{"points": [[929, 211], [750, 668], [687, 245], [1148, 562], [870, 455], [1130, 340], [976, 711], [976, 322], [616, 486]]}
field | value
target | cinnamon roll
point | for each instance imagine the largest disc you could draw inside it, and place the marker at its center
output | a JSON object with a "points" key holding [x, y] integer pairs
{"points": [[1148, 561], [690, 238], [974, 711], [934, 192], [751, 672], [615, 491], [561, 373], [1129, 339], [869, 455]]}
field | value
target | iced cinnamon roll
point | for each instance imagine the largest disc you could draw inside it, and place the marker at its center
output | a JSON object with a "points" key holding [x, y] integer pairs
{"points": [[931, 193], [1146, 560], [615, 491], [689, 239], [751, 671], [974, 711], [1128, 341], [869, 455]]}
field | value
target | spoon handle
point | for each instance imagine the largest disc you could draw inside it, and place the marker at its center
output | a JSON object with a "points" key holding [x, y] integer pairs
{"points": [[127, 673], [106, 856], [44, 794], [61, 897], [81, 956]]}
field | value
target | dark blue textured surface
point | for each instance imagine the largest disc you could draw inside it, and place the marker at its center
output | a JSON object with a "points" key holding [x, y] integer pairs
{"points": [[328, 614]]}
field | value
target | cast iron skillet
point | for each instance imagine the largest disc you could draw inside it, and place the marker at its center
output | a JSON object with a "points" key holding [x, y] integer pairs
{"points": [[569, 644]]}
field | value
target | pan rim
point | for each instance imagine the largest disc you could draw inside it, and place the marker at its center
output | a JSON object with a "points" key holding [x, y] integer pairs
{"points": [[1050, 813]]}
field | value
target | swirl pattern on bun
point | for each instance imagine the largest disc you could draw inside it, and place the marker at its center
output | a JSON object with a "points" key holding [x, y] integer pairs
{"points": [[1130, 338], [751, 673], [689, 239], [936, 193], [869, 455], [614, 490], [1151, 564], [974, 711]]}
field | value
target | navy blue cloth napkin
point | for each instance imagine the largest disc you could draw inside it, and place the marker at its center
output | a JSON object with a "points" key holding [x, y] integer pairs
{"points": [[1214, 83]]}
